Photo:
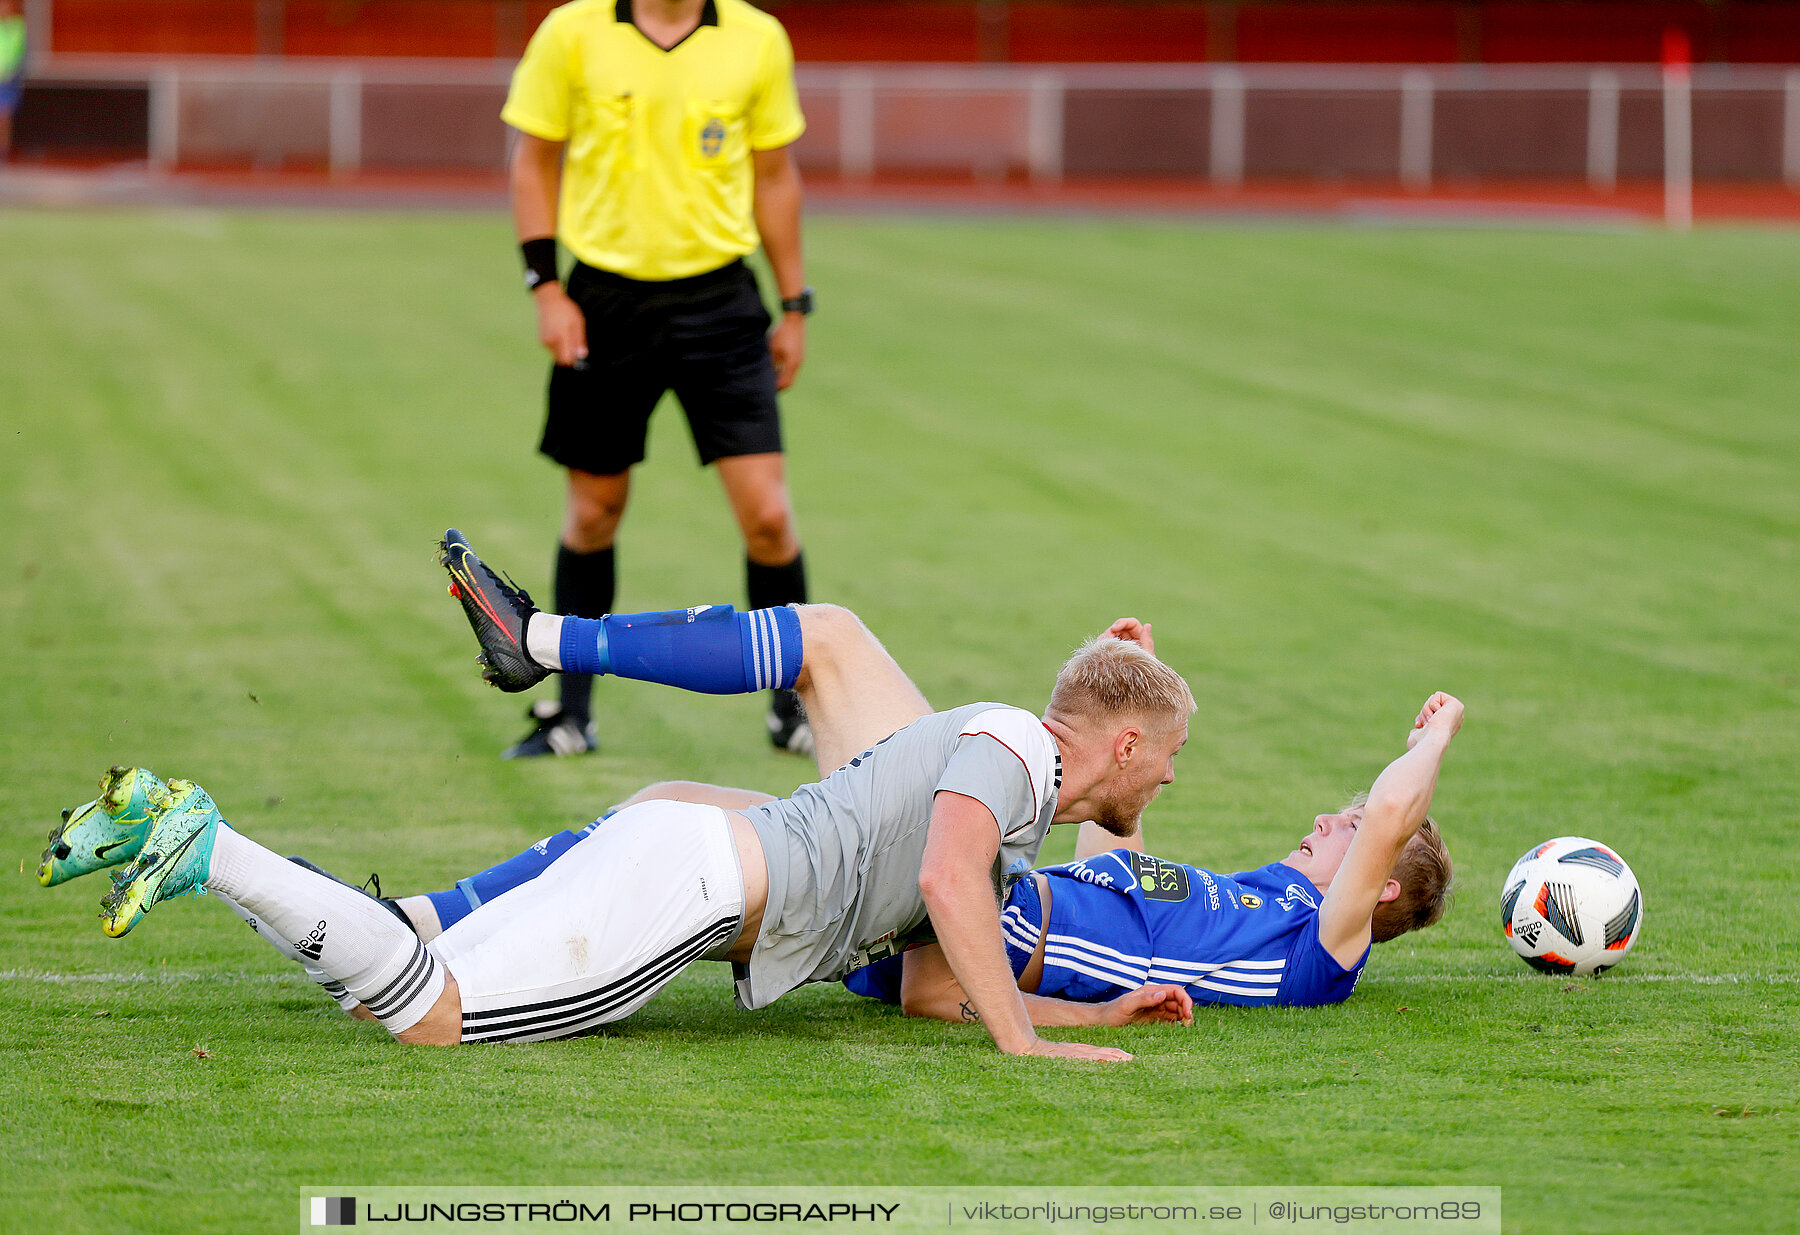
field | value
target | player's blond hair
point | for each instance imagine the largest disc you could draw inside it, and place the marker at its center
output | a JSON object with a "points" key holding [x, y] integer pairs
{"points": [[1424, 872], [1115, 679]]}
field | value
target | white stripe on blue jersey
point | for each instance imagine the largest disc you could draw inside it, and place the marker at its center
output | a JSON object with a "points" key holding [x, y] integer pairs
{"points": [[1084, 956], [1095, 966], [1020, 932]]}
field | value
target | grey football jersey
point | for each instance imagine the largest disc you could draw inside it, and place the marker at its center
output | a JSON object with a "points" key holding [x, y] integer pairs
{"points": [[844, 854]]}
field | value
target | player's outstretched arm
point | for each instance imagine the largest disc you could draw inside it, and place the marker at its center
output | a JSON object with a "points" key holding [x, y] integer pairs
{"points": [[953, 879], [1398, 803], [929, 989]]}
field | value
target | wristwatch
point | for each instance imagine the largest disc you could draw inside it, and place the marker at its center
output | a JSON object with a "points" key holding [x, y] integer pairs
{"points": [[801, 304]]}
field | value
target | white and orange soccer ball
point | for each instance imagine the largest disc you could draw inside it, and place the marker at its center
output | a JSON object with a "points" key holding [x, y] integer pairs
{"points": [[1571, 906]]}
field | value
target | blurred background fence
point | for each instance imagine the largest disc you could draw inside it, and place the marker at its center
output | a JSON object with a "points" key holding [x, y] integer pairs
{"points": [[1415, 124], [1016, 31], [1420, 93]]}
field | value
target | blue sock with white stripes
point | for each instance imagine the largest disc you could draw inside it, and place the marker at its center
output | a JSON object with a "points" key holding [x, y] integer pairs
{"points": [[712, 649], [456, 903]]}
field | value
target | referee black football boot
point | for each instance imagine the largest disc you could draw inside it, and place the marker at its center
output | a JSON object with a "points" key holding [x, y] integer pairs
{"points": [[553, 732], [789, 729], [497, 610]]}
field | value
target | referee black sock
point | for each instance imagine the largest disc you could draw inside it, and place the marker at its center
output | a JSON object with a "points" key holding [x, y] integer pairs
{"points": [[770, 587], [584, 588]]}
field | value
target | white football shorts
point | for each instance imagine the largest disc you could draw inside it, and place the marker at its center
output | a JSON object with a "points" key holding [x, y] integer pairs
{"points": [[605, 927]]}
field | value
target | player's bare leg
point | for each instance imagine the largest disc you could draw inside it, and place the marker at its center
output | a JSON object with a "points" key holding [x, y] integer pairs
{"points": [[441, 1026], [774, 567], [697, 792], [855, 693], [756, 487]]}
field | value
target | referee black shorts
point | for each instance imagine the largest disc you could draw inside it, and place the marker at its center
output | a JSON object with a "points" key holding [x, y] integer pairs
{"points": [[706, 338]]}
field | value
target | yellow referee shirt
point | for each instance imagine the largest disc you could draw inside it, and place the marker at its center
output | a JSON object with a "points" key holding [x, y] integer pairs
{"points": [[657, 180]]}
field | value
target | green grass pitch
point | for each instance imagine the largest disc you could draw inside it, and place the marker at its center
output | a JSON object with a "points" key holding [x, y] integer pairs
{"points": [[1556, 474]]}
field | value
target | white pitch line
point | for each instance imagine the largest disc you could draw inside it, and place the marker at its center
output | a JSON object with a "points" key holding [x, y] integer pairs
{"points": [[125, 980], [1695, 979]]}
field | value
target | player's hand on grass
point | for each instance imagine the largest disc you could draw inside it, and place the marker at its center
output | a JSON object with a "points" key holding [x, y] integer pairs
{"points": [[787, 348], [1149, 1005], [1045, 1049], [561, 327], [1441, 714], [1133, 631]]}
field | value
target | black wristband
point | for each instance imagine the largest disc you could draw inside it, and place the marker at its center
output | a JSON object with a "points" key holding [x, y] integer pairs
{"points": [[540, 262]]}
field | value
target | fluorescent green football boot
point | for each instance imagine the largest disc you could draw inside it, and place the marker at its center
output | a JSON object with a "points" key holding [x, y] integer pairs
{"points": [[107, 831], [174, 861]]}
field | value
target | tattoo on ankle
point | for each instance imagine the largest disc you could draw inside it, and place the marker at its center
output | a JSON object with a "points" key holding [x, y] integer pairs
{"points": [[968, 1011]]}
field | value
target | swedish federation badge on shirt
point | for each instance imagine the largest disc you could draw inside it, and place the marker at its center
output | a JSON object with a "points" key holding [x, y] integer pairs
{"points": [[712, 138], [714, 134]]}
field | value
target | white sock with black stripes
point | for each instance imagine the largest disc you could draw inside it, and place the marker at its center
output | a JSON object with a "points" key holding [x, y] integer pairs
{"points": [[333, 987], [349, 937]]}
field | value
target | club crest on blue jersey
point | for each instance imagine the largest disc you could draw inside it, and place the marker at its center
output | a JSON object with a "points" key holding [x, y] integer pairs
{"points": [[1297, 895]]}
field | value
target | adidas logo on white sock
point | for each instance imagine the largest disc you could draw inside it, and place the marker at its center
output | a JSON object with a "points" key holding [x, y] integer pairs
{"points": [[313, 944]]}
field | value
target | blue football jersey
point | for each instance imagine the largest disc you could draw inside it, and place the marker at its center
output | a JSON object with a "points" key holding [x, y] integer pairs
{"points": [[1122, 919]]}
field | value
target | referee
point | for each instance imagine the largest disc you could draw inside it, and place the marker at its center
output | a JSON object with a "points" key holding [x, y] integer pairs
{"points": [[653, 140]]}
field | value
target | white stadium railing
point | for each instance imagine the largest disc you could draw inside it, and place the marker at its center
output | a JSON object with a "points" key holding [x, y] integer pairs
{"points": [[1222, 122]]}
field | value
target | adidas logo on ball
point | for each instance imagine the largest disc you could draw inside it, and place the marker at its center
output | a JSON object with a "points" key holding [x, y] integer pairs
{"points": [[1571, 906]]}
